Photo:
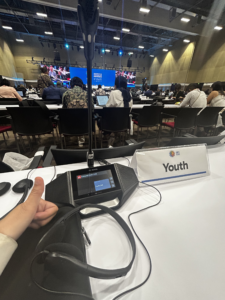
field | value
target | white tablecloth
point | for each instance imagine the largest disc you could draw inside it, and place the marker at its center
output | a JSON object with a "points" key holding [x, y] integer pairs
{"points": [[184, 235]]}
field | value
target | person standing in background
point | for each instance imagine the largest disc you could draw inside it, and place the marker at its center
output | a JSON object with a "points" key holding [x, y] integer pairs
{"points": [[43, 80]]}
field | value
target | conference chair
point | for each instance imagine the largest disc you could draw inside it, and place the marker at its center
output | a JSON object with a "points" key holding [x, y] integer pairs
{"points": [[208, 118], [29, 121], [149, 116], [4, 128], [4, 168], [9, 101], [114, 120], [185, 120], [71, 156], [193, 140], [73, 122]]}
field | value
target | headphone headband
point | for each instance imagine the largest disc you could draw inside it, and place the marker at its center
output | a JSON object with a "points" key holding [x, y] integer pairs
{"points": [[53, 256]]}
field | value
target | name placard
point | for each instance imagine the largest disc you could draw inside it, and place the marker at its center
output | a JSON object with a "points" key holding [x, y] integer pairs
{"points": [[171, 164]]}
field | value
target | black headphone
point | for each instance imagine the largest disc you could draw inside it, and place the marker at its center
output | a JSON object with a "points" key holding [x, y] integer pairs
{"points": [[61, 255]]}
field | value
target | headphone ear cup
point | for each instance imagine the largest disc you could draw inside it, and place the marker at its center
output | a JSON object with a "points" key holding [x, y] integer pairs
{"points": [[60, 268]]}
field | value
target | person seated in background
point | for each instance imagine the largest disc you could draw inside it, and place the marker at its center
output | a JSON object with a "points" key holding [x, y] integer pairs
{"points": [[157, 93], [195, 97], [138, 92], [100, 91], [6, 91], [43, 80], [216, 97], [60, 87], [120, 96], [30, 90], [34, 212], [178, 95], [52, 93], [148, 93], [76, 97], [21, 88], [167, 93]]}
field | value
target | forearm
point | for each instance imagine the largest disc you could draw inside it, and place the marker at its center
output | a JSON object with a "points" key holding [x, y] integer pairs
{"points": [[7, 248]]}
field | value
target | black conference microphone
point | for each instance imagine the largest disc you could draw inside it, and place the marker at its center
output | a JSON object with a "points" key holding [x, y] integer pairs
{"points": [[88, 15]]}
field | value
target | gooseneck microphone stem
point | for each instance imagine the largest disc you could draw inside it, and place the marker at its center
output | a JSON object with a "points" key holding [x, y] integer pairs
{"points": [[90, 154], [88, 15]]}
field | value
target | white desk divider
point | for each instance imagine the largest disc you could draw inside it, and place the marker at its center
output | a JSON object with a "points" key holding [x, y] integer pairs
{"points": [[169, 164]]}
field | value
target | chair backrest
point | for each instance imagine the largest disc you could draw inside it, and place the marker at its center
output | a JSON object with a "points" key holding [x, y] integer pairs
{"points": [[52, 101], [9, 101], [170, 111], [208, 116], [29, 120], [71, 156], [209, 140], [150, 115], [73, 121], [186, 118], [115, 119]]}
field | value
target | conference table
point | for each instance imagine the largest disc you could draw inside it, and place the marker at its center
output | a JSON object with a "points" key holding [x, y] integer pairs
{"points": [[184, 235]]}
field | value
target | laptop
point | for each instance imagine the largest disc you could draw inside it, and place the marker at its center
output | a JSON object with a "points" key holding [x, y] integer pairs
{"points": [[102, 100], [20, 93]]}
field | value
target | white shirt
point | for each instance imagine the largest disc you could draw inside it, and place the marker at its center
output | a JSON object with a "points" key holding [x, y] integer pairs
{"points": [[116, 99], [7, 248], [195, 98]]}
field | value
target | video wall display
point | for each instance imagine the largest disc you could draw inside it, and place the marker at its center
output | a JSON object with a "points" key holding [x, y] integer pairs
{"points": [[99, 76], [130, 76]]}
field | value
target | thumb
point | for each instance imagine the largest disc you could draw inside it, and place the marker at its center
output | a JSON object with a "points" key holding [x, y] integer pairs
{"points": [[35, 196]]}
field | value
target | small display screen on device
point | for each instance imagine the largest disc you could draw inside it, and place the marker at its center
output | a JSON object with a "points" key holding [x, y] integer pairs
{"points": [[94, 182]]}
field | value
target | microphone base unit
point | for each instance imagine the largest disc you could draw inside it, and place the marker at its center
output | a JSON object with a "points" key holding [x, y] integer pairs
{"points": [[109, 185]]}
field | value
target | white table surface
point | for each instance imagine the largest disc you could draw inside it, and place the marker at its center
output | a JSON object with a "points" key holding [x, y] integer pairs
{"points": [[184, 235]]}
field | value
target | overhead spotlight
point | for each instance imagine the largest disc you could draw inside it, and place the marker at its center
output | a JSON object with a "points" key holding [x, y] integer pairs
{"points": [[19, 40], [144, 8], [7, 27], [117, 36], [120, 52], [125, 29], [82, 47], [151, 55], [141, 47], [218, 27], [99, 0], [103, 50], [186, 41], [165, 50], [198, 20], [48, 32], [107, 50], [130, 53], [172, 13], [41, 15], [186, 20], [67, 46]]}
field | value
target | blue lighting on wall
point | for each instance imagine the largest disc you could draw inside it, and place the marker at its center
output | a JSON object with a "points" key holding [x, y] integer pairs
{"points": [[120, 53], [67, 46], [103, 50]]}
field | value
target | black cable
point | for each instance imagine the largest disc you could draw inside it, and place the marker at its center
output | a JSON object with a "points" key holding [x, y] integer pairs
{"points": [[52, 291], [29, 172], [150, 262]]}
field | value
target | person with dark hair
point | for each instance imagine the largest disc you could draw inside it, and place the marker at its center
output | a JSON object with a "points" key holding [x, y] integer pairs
{"points": [[120, 97], [76, 97], [100, 91], [59, 86], [178, 95], [43, 80], [148, 92], [195, 97], [6, 91], [216, 97]]}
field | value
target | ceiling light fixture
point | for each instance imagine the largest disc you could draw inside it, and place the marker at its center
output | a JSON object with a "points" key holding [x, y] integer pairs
{"points": [[186, 41], [218, 27], [7, 27], [126, 29], [19, 40], [107, 50], [144, 7], [144, 10], [41, 15], [82, 47], [130, 53], [116, 38], [165, 50], [141, 47], [186, 20], [49, 32], [151, 55]]}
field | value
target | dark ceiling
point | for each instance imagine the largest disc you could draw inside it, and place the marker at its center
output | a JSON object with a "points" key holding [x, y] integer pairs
{"points": [[22, 17]]}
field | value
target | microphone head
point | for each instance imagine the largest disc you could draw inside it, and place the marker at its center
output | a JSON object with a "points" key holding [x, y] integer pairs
{"points": [[89, 8]]}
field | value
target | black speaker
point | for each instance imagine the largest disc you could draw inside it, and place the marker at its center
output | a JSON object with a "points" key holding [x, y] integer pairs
{"points": [[63, 190], [56, 55], [129, 63]]}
